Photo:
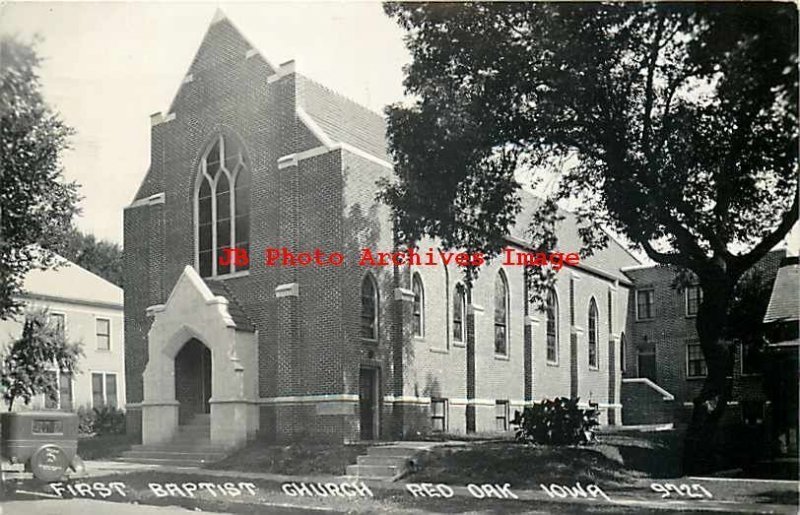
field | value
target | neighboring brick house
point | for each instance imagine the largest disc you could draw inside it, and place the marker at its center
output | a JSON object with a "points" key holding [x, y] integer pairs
{"points": [[89, 309], [662, 349], [258, 156], [781, 361]]}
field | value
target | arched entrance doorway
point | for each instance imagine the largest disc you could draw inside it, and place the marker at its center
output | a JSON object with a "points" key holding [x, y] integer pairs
{"points": [[192, 380]]}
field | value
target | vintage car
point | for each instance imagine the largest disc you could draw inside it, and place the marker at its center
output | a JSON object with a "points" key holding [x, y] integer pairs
{"points": [[46, 442]]}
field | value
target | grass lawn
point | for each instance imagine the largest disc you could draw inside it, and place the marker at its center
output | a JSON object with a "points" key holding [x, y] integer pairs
{"points": [[103, 447], [618, 460], [296, 459]]}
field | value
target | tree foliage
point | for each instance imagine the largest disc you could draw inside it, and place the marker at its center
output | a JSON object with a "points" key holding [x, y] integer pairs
{"points": [[100, 257], [674, 124], [29, 361], [36, 203], [682, 119]]}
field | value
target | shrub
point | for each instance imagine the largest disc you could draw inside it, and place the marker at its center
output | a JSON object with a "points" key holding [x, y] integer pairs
{"points": [[105, 420], [109, 421], [85, 420], [556, 422]]}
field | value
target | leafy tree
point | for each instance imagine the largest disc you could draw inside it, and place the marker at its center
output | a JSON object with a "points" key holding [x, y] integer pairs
{"points": [[28, 363], [100, 257], [36, 204], [675, 125]]}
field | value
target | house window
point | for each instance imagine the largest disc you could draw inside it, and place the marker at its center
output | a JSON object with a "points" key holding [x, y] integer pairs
{"points": [[63, 395], [695, 361], [500, 314], [223, 206], [439, 414], [104, 389], [419, 306], [694, 296], [369, 308], [644, 304], [459, 310], [103, 331], [65, 391], [59, 321], [501, 415], [51, 402], [593, 334], [552, 327]]}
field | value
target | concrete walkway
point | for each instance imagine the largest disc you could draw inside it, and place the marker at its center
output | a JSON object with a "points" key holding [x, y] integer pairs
{"points": [[641, 496]]}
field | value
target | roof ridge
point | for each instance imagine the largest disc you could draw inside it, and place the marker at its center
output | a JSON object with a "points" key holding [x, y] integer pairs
{"points": [[613, 237], [341, 95]]}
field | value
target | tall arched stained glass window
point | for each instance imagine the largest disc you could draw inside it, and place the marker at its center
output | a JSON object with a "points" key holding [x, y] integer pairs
{"points": [[223, 207], [419, 306], [552, 327], [459, 314], [369, 308], [500, 314], [593, 334]]}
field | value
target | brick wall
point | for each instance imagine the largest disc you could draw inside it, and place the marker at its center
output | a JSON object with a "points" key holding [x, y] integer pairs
{"points": [[670, 329]]}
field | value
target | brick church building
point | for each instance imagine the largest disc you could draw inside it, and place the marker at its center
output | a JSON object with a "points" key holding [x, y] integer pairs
{"points": [[258, 156]]}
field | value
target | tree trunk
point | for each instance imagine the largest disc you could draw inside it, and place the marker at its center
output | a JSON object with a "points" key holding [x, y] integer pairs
{"points": [[700, 449]]}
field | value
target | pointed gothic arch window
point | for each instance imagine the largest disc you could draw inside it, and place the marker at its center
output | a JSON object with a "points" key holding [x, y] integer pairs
{"points": [[419, 306], [552, 327], [369, 308], [459, 314], [593, 334], [501, 314], [222, 206]]}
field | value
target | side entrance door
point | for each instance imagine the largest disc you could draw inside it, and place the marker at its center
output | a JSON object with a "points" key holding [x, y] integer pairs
{"points": [[368, 403]]}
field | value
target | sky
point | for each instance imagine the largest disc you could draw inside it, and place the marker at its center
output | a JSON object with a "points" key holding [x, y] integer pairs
{"points": [[108, 66]]}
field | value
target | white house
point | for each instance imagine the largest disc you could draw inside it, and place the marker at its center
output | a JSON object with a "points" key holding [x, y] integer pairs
{"points": [[90, 309]]}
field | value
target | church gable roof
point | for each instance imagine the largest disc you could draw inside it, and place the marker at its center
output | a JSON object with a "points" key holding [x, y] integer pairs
{"points": [[609, 259], [342, 119]]}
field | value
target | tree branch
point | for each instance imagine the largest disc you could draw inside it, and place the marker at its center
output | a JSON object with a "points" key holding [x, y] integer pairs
{"points": [[742, 263], [663, 257], [655, 48]]}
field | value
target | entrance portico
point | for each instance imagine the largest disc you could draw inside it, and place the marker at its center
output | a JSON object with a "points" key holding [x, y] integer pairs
{"points": [[192, 320]]}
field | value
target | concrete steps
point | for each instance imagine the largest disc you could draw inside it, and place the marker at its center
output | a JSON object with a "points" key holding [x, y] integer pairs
{"points": [[191, 447], [374, 471], [388, 462]]}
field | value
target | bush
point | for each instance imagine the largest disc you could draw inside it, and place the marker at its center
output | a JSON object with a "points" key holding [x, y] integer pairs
{"points": [[105, 420], [85, 420], [109, 421], [556, 422]]}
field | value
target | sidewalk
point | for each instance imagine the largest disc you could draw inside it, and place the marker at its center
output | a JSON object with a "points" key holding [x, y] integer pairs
{"points": [[639, 496]]}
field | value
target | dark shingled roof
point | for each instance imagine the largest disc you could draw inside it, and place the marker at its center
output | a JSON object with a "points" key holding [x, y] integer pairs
{"points": [[219, 289], [784, 303], [342, 119]]}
